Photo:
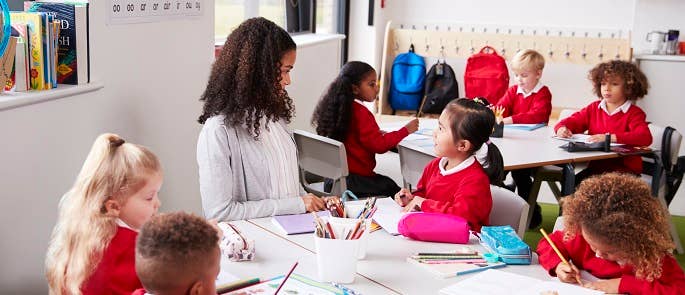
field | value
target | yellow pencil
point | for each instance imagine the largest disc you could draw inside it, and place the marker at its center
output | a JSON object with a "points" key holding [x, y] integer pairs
{"points": [[544, 234]]}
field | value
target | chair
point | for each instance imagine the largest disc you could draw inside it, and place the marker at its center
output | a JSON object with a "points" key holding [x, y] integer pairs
{"points": [[412, 163], [323, 157], [509, 209], [654, 170]]}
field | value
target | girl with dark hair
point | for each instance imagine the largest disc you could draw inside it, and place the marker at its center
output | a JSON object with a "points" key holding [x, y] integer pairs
{"points": [[340, 115], [245, 152], [455, 182]]}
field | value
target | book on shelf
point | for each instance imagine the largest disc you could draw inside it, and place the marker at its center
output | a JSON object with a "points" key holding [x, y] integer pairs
{"points": [[71, 46], [34, 24]]}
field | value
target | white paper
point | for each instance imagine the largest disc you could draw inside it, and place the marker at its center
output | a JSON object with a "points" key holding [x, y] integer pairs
{"points": [[388, 215], [585, 138], [491, 282]]}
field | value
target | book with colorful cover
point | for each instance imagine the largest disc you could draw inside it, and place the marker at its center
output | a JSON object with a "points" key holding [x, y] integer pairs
{"points": [[37, 59], [72, 43]]}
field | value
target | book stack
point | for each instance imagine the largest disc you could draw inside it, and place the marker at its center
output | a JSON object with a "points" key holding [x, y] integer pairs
{"points": [[449, 264], [53, 45]]}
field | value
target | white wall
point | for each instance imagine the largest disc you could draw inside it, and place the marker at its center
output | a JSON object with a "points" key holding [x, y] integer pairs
{"points": [[153, 74]]}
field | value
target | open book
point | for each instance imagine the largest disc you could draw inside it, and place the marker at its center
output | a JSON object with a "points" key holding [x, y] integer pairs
{"points": [[388, 215], [492, 282]]}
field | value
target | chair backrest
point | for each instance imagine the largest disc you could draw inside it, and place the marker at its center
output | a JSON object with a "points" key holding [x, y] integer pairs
{"points": [[667, 152], [657, 132], [321, 156], [508, 209], [412, 163]]}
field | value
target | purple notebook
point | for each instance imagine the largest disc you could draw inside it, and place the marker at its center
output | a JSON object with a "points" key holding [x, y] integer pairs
{"points": [[297, 223]]}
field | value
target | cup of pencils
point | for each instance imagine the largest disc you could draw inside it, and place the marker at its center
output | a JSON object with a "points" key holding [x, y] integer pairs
{"points": [[354, 222], [336, 251]]}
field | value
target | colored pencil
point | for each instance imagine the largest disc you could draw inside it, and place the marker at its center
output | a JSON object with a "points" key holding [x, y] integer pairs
{"points": [[554, 246], [286, 278]]}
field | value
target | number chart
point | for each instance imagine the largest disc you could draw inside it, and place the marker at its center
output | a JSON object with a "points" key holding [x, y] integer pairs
{"points": [[141, 11]]}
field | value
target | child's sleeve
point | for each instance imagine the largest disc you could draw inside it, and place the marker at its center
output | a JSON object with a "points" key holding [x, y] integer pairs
{"points": [[539, 111], [425, 176], [507, 101], [468, 202], [638, 131], [579, 122], [672, 281], [371, 136], [549, 259]]}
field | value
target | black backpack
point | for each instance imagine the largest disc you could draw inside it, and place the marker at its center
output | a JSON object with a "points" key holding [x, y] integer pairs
{"points": [[441, 88]]}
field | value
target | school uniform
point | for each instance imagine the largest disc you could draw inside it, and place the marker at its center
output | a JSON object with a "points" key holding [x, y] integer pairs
{"points": [[672, 280], [116, 272], [627, 122], [462, 191], [364, 139]]}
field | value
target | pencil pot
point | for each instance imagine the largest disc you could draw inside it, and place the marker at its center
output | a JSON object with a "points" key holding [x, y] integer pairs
{"points": [[344, 227], [336, 259]]}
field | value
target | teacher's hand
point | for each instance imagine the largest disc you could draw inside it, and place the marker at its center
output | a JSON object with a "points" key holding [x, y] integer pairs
{"points": [[313, 203]]}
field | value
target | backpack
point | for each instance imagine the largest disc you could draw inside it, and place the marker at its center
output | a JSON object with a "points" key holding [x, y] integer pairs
{"points": [[407, 82], [441, 88], [486, 75]]}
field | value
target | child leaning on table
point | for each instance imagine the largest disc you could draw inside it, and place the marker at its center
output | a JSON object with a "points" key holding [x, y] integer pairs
{"points": [[617, 84], [455, 182], [615, 230], [177, 253]]}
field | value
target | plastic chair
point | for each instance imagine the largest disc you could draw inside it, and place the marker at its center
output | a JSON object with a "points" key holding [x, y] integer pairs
{"points": [[323, 157], [509, 209], [412, 163]]}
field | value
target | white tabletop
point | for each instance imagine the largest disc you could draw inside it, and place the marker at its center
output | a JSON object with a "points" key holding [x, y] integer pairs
{"points": [[274, 256], [385, 261]]}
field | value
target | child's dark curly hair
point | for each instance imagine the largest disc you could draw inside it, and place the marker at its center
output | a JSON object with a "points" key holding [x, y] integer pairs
{"points": [[331, 118], [619, 210], [635, 82], [172, 249], [244, 84]]}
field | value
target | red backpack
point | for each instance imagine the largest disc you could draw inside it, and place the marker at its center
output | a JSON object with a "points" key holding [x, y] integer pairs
{"points": [[486, 75]]}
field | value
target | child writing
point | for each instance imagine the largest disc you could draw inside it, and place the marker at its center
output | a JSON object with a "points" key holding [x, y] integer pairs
{"points": [[455, 183], [177, 253], [93, 242], [526, 102], [618, 232], [340, 115], [618, 84]]}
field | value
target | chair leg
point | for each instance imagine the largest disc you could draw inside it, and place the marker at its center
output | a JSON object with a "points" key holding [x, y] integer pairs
{"points": [[533, 197], [555, 190]]}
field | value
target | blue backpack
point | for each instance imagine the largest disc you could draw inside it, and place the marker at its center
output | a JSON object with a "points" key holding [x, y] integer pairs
{"points": [[408, 80]]}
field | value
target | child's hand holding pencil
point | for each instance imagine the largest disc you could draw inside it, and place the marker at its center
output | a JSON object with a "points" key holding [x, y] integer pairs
{"points": [[566, 272]]}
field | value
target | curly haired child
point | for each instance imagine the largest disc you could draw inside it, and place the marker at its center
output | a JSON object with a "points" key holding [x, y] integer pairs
{"points": [[615, 230], [617, 84], [455, 182], [93, 242], [340, 115], [246, 155], [177, 253]]}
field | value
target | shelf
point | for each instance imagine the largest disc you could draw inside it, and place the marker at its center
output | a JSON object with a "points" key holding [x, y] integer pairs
{"points": [[10, 100], [658, 57]]}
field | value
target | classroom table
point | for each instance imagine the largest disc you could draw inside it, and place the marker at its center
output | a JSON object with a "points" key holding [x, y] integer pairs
{"points": [[274, 256], [385, 262]]}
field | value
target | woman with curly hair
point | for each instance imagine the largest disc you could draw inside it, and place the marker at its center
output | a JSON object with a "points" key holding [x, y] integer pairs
{"points": [[617, 84], [245, 152], [340, 115], [615, 230]]}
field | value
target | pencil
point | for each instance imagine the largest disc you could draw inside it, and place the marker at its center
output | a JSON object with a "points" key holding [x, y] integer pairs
{"points": [[554, 246], [286, 278]]}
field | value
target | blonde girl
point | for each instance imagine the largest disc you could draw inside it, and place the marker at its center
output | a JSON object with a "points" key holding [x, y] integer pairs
{"points": [[93, 242]]}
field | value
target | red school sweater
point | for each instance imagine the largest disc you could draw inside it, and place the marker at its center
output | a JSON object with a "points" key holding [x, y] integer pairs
{"points": [[672, 280], [533, 109], [629, 127], [465, 193], [116, 272], [365, 139]]}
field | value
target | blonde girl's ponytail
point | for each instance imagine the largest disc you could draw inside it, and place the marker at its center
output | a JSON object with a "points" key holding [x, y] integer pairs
{"points": [[84, 228]]}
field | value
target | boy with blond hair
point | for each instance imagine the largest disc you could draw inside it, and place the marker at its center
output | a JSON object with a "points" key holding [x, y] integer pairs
{"points": [[526, 102], [177, 253]]}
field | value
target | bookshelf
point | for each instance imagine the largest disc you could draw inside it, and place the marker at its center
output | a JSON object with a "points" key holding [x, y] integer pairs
{"points": [[10, 100]]}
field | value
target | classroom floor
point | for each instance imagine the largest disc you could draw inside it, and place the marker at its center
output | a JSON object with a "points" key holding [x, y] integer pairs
{"points": [[550, 213]]}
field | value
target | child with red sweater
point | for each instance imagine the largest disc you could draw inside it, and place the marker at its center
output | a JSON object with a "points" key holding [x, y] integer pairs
{"points": [[92, 249], [618, 84], [455, 182], [340, 115], [618, 232]]}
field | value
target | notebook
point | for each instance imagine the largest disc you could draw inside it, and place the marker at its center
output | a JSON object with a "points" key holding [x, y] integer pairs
{"points": [[526, 127], [495, 282], [297, 223], [388, 215], [296, 284], [449, 270], [585, 138]]}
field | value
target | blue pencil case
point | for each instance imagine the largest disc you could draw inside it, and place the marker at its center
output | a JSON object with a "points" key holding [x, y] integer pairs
{"points": [[503, 241]]}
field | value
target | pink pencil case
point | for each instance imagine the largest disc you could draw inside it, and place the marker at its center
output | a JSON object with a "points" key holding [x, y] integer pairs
{"points": [[434, 227]]}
